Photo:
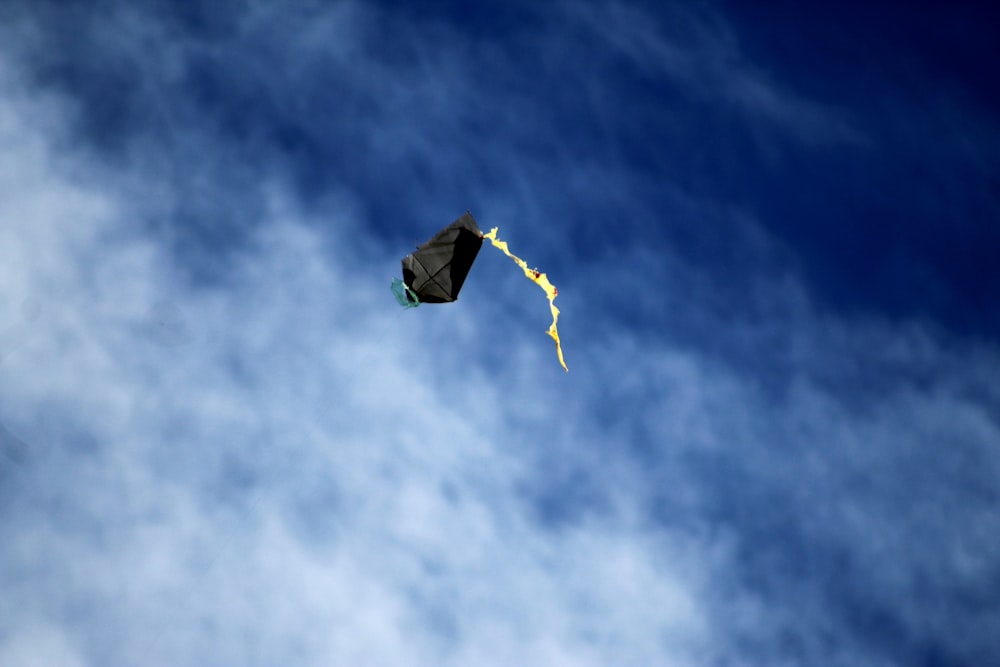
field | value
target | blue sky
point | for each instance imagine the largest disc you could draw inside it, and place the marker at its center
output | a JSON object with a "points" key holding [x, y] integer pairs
{"points": [[775, 237]]}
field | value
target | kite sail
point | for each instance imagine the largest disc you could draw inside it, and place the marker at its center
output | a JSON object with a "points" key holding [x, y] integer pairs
{"points": [[436, 270]]}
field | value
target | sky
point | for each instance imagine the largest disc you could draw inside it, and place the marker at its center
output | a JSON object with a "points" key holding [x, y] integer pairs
{"points": [[775, 237]]}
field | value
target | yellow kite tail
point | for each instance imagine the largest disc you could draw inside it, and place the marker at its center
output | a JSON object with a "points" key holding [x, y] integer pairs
{"points": [[542, 281]]}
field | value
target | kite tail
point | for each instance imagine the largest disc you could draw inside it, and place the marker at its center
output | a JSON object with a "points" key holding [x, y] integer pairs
{"points": [[542, 281]]}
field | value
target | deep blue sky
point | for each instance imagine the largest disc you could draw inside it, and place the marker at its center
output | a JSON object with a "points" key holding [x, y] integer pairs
{"points": [[896, 217], [775, 235]]}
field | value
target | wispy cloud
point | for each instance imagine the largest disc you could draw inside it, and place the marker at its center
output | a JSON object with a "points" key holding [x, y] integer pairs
{"points": [[699, 52]]}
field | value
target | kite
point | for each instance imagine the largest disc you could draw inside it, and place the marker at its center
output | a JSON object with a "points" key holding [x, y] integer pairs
{"points": [[436, 270]]}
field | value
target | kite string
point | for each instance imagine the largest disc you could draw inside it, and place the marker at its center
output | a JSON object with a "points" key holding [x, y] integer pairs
{"points": [[540, 279]]}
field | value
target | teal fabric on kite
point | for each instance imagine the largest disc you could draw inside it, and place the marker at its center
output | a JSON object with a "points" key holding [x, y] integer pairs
{"points": [[404, 295]]}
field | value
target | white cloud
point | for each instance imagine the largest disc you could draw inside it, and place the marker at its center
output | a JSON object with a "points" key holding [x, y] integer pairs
{"points": [[291, 483]]}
